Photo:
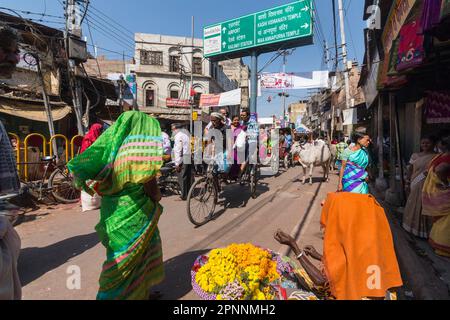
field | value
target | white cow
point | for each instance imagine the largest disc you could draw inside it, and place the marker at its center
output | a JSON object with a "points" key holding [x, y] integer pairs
{"points": [[315, 154]]}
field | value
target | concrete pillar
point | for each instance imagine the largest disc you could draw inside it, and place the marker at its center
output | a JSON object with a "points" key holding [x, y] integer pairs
{"points": [[381, 183], [418, 125], [392, 194]]}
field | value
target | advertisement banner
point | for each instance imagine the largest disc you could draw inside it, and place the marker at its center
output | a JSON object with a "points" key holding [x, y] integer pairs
{"points": [[177, 103], [230, 98], [350, 117], [295, 81]]}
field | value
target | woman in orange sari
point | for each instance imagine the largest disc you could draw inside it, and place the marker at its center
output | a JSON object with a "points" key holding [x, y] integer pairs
{"points": [[359, 258], [436, 198]]}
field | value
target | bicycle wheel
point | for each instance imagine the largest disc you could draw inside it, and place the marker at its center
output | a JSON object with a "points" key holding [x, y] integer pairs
{"points": [[61, 186], [201, 201]]}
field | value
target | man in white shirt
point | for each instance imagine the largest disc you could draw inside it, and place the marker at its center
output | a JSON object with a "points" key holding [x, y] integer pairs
{"points": [[182, 158]]}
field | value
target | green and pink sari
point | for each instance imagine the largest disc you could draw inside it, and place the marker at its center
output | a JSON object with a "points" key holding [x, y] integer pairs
{"points": [[116, 166]]}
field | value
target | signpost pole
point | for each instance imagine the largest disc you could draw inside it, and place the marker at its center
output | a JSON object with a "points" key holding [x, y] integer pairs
{"points": [[254, 82]]}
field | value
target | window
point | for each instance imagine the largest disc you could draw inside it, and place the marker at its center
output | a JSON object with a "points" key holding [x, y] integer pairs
{"points": [[154, 58], [213, 70], [197, 98], [174, 94], [174, 64], [198, 68], [149, 98]]}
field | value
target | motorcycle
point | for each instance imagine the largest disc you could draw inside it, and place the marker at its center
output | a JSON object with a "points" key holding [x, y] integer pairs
{"points": [[168, 179]]}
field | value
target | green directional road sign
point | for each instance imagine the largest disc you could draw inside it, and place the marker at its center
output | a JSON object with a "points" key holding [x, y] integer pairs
{"points": [[290, 24]]}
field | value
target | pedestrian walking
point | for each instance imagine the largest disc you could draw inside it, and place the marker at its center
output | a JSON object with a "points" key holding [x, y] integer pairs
{"points": [[182, 159], [94, 132], [124, 162], [340, 148], [413, 220], [353, 176], [435, 198], [90, 202]]}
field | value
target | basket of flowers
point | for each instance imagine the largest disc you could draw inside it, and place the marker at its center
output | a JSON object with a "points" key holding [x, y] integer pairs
{"points": [[242, 272]]}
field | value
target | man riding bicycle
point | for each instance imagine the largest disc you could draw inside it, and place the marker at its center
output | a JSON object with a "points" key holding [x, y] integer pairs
{"points": [[217, 142]]}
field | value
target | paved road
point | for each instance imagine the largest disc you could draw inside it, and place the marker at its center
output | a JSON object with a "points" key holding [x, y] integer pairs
{"points": [[61, 237]]}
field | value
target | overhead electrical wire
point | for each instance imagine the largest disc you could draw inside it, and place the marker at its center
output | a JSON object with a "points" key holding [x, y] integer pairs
{"points": [[92, 40], [33, 13], [111, 36]]}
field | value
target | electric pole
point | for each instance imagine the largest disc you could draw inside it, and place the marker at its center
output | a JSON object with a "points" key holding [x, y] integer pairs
{"points": [[344, 54], [336, 61], [48, 109], [73, 27], [191, 117], [284, 94]]}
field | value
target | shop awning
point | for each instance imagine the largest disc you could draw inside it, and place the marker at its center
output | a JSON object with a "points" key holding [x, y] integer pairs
{"points": [[33, 109]]}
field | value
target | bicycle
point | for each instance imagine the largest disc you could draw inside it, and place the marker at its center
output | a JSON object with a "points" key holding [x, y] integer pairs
{"points": [[204, 193], [59, 184]]}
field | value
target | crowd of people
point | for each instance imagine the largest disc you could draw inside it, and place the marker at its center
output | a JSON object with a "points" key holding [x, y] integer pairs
{"points": [[121, 165], [119, 183]]}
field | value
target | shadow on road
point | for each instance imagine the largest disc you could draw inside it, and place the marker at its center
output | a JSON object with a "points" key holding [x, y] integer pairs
{"points": [[35, 262], [177, 282], [315, 180], [237, 196]]}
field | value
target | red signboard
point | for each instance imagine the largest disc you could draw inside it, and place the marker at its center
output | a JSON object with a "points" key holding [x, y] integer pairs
{"points": [[209, 100], [177, 103]]}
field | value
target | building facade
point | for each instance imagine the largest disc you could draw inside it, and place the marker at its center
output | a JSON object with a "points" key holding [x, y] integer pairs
{"points": [[297, 111], [327, 113], [236, 70], [101, 67], [163, 72]]}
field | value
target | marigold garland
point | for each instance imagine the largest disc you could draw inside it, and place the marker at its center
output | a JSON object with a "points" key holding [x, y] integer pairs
{"points": [[240, 271]]}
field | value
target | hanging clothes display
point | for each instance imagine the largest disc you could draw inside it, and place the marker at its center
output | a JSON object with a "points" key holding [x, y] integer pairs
{"points": [[437, 106], [394, 79], [430, 15], [411, 52]]}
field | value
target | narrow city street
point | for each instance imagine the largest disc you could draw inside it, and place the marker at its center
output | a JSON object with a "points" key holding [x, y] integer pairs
{"points": [[60, 237], [103, 104]]}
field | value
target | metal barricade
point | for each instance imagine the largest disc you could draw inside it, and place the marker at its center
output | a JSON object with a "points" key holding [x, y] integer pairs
{"points": [[25, 145], [72, 145], [59, 136]]}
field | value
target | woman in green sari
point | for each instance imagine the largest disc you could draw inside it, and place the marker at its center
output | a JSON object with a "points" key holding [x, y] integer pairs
{"points": [[121, 166]]}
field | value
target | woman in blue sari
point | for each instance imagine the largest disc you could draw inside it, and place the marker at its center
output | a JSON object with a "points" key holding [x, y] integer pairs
{"points": [[353, 176]]}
